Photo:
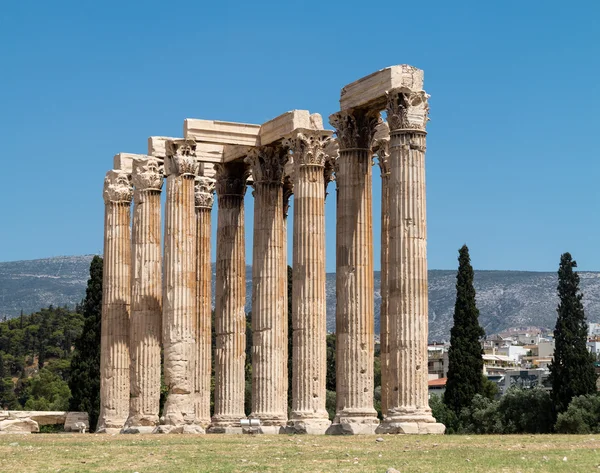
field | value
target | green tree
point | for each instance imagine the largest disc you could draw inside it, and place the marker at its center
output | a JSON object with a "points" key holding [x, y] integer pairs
{"points": [[85, 365], [465, 363], [572, 369], [582, 416]]}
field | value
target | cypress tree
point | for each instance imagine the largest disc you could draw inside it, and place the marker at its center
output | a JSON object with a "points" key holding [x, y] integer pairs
{"points": [[85, 365], [465, 363], [572, 370]]}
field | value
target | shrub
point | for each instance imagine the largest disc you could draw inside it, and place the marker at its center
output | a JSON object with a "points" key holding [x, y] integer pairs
{"points": [[581, 417]]}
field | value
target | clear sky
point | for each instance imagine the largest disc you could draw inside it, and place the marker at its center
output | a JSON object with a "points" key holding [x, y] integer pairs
{"points": [[512, 154]]}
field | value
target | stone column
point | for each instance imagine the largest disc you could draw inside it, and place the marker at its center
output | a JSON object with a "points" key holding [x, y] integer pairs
{"points": [[354, 281], [309, 414], [116, 299], [269, 286], [230, 316], [205, 188], [179, 289], [381, 147], [408, 407], [146, 298]]}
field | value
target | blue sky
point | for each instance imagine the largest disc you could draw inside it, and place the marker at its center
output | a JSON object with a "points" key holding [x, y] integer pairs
{"points": [[512, 157]]}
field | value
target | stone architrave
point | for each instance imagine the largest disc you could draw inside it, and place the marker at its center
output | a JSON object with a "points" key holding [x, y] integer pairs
{"points": [[145, 333], [179, 289], [308, 414], [354, 280], [269, 287], [116, 299], [381, 148], [407, 405], [230, 316], [205, 188]]}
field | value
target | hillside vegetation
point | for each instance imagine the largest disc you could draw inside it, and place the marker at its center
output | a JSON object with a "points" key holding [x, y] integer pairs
{"points": [[35, 359]]}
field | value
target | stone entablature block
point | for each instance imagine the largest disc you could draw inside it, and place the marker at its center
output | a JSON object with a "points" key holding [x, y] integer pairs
{"points": [[124, 161], [281, 126], [214, 131], [370, 91]]}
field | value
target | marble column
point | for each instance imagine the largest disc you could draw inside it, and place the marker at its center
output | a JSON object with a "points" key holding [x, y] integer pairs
{"points": [[179, 289], [205, 188], [355, 413], [408, 407], [230, 316], [309, 414], [116, 299], [146, 298], [269, 287], [381, 148]]}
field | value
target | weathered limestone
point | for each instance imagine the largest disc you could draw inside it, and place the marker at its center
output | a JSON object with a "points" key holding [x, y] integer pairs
{"points": [[19, 426], [179, 289], [309, 414], [146, 297], [230, 317], [354, 280], [381, 142], [204, 192], [269, 308], [216, 131], [281, 126], [370, 91], [407, 404], [116, 297], [68, 419]]}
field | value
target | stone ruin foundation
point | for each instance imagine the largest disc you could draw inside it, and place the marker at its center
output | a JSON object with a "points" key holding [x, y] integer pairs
{"points": [[154, 300]]}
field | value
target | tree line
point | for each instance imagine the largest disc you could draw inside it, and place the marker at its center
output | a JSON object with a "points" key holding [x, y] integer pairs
{"points": [[50, 360], [572, 405]]}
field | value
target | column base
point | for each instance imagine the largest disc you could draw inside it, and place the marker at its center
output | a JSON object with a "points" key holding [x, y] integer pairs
{"points": [[108, 430], [308, 426], [179, 429], [226, 425], [410, 422], [139, 429], [269, 424], [411, 428], [349, 422]]}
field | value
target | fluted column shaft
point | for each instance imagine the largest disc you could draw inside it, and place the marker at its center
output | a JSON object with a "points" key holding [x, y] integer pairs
{"points": [[309, 414], [179, 290], [354, 279], [146, 296], [116, 299], [230, 317], [381, 147], [204, 201], [408, 274], [408, 406], [269, 308]]}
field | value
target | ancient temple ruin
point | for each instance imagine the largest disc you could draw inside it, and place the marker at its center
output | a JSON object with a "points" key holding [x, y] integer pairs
{"points": [[157, 294]]}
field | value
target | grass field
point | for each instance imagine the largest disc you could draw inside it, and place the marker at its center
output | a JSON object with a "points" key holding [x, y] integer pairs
{"points": [[179, 453]]}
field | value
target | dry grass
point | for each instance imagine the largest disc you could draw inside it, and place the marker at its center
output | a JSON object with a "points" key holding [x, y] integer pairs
{"points": [[178, 453]]}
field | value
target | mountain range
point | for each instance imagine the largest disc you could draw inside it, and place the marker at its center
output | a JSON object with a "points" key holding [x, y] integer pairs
{"points": [[505, 298]]}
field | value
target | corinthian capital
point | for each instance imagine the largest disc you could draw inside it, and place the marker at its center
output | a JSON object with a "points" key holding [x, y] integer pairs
{"points": [[147, 174], [355, 128], [231, 178], [407, 109], [117, 187], [267, 163], [181, 158], [381, 147], [309, 147], [204, 191]]}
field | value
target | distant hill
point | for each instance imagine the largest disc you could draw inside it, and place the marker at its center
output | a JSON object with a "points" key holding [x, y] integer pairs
{"points": [[34, 284], [505, 298]]}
